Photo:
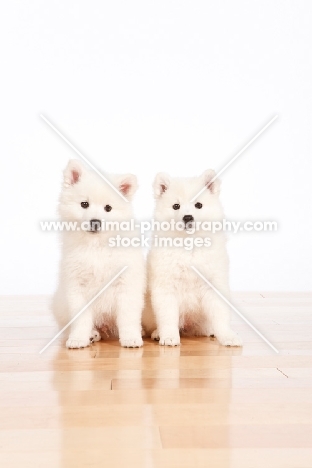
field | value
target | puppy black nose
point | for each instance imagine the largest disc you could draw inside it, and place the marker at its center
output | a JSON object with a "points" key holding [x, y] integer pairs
{"points": [[95, 224], [188, 218]]}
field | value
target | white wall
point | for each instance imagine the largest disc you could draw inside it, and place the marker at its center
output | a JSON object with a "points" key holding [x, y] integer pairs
{"points": [[145, 86]]}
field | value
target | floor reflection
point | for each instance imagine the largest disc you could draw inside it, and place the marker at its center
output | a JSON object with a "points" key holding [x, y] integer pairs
{"points": [[116, 401]]}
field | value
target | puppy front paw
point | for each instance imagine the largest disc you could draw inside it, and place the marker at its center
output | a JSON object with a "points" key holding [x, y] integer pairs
{"points": [[77, 343], [169, 339], [131, 342], [230, 338]]}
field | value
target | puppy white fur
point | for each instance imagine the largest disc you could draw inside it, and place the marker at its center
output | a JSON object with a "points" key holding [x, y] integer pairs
{"points": [[181, 300], [88, 263]]}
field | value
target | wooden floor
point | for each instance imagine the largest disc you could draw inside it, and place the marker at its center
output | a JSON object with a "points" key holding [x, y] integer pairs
{"points": [[198, 405]]}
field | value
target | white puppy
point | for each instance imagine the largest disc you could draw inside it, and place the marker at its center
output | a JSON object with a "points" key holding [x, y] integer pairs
{"points": [[88, 263], [180, 299]]}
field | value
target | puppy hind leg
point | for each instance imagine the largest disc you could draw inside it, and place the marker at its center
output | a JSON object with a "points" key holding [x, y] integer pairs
{"points": [[95, 336], [155, 335], [218, 315]]}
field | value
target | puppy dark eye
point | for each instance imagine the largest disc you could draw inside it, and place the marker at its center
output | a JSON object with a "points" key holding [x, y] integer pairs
{"points": [[107, 208], [198, 205], [84, 204], [176, 206]]}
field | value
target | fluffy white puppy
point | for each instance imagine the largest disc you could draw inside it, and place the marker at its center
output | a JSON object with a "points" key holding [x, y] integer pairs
{"points": [[181, 300], [88, 263]]}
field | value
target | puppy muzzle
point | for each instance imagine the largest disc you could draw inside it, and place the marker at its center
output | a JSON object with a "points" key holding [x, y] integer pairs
{"points": [[95, 225], [188, 220]]}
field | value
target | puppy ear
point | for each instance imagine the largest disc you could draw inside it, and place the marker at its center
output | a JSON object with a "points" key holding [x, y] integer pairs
{"points": [[210, 182], [161, 184], [127, 185], [72, 172]]}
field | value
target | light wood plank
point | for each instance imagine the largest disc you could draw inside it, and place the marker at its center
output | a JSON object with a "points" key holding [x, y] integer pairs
{"points": [[157, 458], [240, 436]]}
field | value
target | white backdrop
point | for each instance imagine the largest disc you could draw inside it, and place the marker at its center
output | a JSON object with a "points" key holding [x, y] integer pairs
{"points": [[144, 86]]}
